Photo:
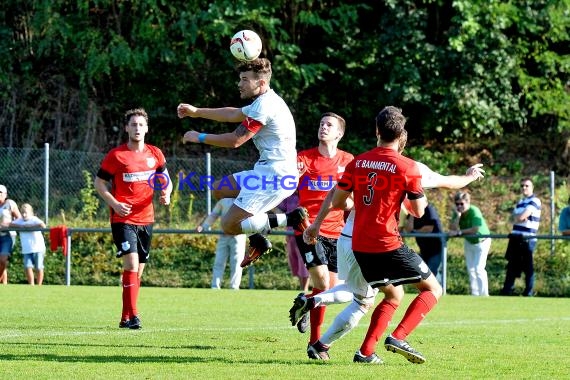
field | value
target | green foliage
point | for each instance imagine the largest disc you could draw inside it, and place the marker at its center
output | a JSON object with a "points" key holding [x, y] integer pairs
{"points": [[460, 70], [186, 260], [89, 198]]}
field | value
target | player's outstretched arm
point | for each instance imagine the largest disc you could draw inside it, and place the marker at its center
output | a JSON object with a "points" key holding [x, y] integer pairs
{"points": [[223, 114], [431, 179]]}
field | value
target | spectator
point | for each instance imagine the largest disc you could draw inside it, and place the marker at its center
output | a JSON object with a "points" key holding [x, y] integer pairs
{"points": [[522, 241], [4, 277], [8, 212], [564, 220], [431, 249], [296, 264], [230, 247], [467, 219], [33, 244]]}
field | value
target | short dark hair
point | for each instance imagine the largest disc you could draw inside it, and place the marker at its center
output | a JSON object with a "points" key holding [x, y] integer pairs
{"points": [[341, 121], [261, 67], [135, 112], [390, 122], [462, 196]]}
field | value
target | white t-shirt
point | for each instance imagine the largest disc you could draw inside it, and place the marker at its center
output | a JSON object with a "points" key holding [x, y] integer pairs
{"points": [[277, 138], [32, 241]]}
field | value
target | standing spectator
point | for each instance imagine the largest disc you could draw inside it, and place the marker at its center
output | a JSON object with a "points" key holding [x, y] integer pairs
{"points": [[33, 244], [431, 249], [522, 240], [564, 220], [296, 264], [228, 247], [269, 123], [467, 219], [135, 170], [8, 212]]}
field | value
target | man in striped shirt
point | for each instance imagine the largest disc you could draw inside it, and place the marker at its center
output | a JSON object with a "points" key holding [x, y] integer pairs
{"points": [[522, 241]]}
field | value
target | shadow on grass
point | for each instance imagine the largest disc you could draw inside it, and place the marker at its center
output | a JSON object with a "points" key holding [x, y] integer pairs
{"points": [[39, 345], [128, 359]]}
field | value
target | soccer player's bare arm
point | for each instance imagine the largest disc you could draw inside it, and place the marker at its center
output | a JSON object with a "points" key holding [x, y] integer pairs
{"points": [[339, 198], [224, 114]]}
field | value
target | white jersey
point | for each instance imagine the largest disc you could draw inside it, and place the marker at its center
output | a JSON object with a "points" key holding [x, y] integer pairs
{"points": [[429, 180], [277, 138], [32, 241]]}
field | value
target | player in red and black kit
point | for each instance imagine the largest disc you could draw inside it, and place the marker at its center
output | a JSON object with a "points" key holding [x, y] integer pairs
{"points": [[380, 180], [319, 169], [134, 170]]}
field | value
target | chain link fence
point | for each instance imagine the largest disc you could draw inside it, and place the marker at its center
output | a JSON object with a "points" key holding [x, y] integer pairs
{"points": [[57, 182]]}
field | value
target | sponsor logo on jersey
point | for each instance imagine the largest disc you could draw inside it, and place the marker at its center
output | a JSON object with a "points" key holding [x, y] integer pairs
{"points": [[137, 176]]}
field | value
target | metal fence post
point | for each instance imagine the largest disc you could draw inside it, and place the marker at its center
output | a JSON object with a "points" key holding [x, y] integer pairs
{"points": [[46, 183], [552, 211], [444, 266], [68, 259], [250, 271], [209, 191]]}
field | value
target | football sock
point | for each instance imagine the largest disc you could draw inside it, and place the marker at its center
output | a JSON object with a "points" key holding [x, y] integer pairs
{"points": [[130, 281], [337, 294], [343, 323], [317, 317], [256, 223], [135, 296], [379, 321], [277, 220], [416, 312]]}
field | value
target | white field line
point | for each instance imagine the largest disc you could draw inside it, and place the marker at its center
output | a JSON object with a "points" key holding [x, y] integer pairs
{"points": [[8, 334]]}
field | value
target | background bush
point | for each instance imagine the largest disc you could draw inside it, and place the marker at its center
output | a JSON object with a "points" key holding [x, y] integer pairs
{"points": [[185, 260]]}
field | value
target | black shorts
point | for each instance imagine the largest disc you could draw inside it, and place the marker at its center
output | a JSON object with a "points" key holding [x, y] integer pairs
{"points": [[322, 253], [131, 238], [397, 267]]}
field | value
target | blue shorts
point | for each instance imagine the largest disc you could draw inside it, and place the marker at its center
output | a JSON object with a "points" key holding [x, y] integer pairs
{"points": [[34, 260], [6, 245]]}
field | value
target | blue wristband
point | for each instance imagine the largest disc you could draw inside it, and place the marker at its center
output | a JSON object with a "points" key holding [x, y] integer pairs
{"points": [[202, 137]]}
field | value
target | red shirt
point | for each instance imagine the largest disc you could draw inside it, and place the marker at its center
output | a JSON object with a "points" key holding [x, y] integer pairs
{"points": [[317, 176], [380, 179], [131, 174]]}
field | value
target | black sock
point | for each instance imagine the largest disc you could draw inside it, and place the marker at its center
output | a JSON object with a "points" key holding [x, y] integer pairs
{"points": [[272, 220]]}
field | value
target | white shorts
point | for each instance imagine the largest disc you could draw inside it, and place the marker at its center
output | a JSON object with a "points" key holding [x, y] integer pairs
{"points": [[349, 271], [264, 187]]}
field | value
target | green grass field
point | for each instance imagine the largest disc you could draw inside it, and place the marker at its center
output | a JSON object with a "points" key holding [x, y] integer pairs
{"points": [[57, 332]]}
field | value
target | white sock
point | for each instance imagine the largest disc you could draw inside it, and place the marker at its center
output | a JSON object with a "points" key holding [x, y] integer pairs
{"points": [[256, 223], [337, 294], [281, 220], [344, 322]]}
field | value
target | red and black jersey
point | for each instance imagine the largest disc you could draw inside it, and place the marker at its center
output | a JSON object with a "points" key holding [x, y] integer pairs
{"points": [[317, 176], [132, 177], [380, 179]]}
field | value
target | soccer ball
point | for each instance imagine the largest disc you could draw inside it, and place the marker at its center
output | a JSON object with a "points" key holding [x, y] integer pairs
{"points": [[246, 45]]}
